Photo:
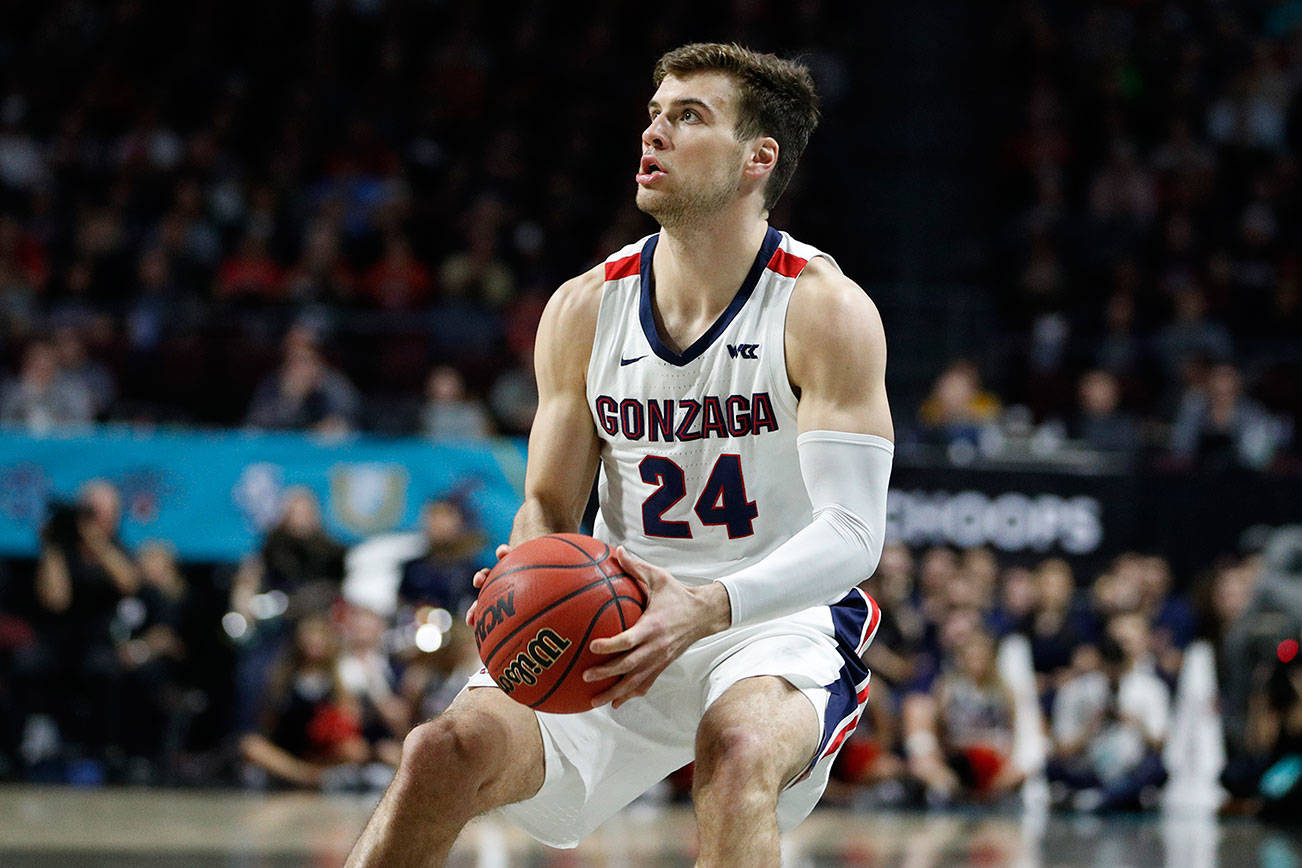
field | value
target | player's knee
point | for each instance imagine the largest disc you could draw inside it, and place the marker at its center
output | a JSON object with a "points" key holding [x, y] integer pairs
{"points": [[735, 755], [448, 746]]}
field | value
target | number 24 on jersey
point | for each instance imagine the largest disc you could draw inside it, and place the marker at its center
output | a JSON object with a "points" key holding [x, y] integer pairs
{"points": [[722, 502]]}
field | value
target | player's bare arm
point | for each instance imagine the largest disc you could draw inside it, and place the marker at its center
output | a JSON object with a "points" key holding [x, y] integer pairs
{"points": [[836, 355], [563, 444], [836, 361]]}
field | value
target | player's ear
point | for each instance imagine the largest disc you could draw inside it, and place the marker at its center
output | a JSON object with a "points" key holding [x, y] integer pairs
{"points": [[763, 158]]}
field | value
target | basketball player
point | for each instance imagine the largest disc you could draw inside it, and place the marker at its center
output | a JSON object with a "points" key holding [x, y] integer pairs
{"points": [[728, 382]]}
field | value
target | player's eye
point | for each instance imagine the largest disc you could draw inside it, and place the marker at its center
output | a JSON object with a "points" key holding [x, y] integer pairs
{"points": [[690, 115]]}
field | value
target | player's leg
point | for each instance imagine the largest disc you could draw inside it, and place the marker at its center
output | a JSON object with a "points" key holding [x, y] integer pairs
{"points": [[485, 751], [752, 741]]}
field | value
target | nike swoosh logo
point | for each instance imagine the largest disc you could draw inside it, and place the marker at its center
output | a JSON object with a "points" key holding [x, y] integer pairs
{"points": [[623, 361]]}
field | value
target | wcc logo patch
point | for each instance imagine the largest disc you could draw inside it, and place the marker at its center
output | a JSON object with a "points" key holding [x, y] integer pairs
{"points": [[743, 351]]}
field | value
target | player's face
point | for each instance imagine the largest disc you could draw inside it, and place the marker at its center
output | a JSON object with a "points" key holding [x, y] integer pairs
{"points": [[692, 161]]}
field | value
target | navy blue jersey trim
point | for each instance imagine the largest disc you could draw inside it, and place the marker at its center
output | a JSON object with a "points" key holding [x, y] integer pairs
{"points": [[772, 239]]}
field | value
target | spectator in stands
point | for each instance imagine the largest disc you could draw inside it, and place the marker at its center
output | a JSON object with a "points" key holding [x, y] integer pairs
{"points": [[151, 649], [476, 275], [397, 281], [1172, 617], [250, 274], [18, 302], [1218, 426], [1186, 163], [297, 572], [159, 308], [1060, 624], [1119, 590], [1019, 599], [870, 758], [83, 574], [1265, 777], [957, 408], [1258, 671], [1123, 189], [321, 275], [960, 742], [306, 393], [1100, 422], [366, 672], [1281, 318], [1110, 721], [196, 247], [1192, 334], [514, 396], [979, 572], [449, 412], [76, 364], [938, 573], [902, 631], [311, 733], [298, 558], [1119, 349], [42, 398], [441, 577], [431, 680]]}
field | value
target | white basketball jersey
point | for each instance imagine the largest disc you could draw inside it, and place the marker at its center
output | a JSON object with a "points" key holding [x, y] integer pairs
{"points": [[699, 472]]}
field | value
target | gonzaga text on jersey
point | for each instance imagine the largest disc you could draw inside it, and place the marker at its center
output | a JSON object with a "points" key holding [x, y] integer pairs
{"points": [[672, 420]]}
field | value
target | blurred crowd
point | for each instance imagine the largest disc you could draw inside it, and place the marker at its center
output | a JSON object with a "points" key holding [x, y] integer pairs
{"points": [[1154, 278], [342, 216], [318, 682], [946, 724], [108, 655]]}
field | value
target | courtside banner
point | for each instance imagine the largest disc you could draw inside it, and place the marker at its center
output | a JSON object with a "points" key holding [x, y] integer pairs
{"points": [[1189, 516], [214, 495]]}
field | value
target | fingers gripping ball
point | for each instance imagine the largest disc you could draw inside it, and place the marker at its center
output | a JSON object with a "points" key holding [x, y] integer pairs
{"points": [[538, 611]]}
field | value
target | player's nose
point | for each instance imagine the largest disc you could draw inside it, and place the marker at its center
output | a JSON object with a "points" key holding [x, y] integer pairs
{"points": [[654, 136]]}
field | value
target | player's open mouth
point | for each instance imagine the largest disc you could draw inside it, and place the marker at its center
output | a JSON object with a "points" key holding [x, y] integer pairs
{"points": [[650, 171]]}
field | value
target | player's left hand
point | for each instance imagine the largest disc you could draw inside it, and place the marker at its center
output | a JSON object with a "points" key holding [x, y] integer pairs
{"points": [[676, 616]]}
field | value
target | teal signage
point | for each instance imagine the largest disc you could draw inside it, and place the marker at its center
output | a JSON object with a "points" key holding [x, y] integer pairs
{"points": [[213, 495]]}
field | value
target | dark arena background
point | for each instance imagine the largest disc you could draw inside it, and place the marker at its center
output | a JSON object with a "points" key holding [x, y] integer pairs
{"points": [[270, 274]]}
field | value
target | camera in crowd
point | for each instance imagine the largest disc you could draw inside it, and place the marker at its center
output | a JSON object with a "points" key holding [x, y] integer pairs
{"points": [[63, 528]]}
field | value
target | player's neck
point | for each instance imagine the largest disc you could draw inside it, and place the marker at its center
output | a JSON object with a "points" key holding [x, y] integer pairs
{"points": [[699, 268]]}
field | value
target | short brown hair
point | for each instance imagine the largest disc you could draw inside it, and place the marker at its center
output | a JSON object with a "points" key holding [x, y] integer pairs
{"points": [[777, 98]]}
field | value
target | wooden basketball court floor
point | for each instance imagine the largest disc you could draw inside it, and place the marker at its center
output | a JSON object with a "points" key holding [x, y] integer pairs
{"points": [[47, 826]]}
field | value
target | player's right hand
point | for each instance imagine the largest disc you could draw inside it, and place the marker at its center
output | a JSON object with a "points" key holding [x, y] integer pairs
{"points": [[478, 581]]}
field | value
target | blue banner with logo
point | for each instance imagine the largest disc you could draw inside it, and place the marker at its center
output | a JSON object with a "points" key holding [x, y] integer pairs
{"points": [[214, 495]]}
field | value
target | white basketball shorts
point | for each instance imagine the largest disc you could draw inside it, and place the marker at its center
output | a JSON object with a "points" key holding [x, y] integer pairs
{"points": [[600, 760]]}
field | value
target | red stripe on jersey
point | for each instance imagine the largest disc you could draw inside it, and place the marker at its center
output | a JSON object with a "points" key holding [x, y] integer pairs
{"points": [[626, 267], [785, 264]]}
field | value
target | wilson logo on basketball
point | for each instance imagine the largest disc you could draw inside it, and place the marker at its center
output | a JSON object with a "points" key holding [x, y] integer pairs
{"points": [[494, 614], [539, 655]]}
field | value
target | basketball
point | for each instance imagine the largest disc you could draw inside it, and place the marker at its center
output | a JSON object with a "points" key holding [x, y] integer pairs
{"points": [[538, 611]]}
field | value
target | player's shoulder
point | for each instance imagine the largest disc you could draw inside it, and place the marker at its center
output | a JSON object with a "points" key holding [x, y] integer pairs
{"points": [[568, 328], [826, 304], [576, 302]]}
